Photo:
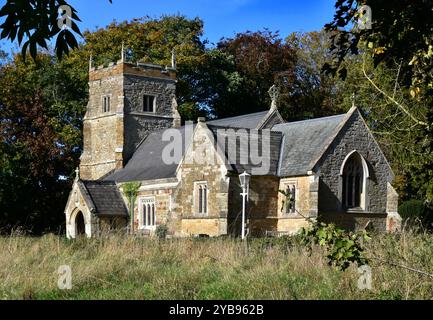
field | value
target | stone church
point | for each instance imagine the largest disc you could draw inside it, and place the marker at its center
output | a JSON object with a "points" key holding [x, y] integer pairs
{"points": [[330, 169]]}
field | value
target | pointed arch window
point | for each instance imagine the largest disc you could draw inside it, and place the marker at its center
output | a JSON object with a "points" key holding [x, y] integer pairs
{"points": [[354, 176]]}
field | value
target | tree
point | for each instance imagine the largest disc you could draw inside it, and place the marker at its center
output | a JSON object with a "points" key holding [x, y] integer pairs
{"points": [[42, 102], [250, 63], [154, 40], [314, 94], [41, 107], [401, 38], [38, 21]]}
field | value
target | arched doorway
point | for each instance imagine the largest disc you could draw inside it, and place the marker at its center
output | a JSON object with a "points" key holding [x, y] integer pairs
{"points": [[80, 226], [354, 174]]}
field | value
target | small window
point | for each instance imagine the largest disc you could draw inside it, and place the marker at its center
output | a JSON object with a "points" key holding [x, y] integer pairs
{"points": [[201, 198], [106, 104], [148, 103], [148, 213]]}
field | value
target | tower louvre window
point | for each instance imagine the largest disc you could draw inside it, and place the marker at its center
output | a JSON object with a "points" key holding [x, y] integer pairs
{"points": [[148, 103], [106, 104]]}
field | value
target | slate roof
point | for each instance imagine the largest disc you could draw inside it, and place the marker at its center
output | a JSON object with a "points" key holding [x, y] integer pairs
{"points": [[294, 147], [304, 142], [248, 121], [268, 164], [146, 163], [105, 197]]}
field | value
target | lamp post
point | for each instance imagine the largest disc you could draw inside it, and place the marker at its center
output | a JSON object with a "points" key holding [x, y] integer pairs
{"points": [[244, 179]]}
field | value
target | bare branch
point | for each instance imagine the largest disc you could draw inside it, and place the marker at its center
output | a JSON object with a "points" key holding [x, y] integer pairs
{"points": [[399, 105]]}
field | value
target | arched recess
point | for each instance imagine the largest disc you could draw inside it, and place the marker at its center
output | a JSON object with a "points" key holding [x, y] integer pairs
{"points": [[79, 224], [353, 182]]}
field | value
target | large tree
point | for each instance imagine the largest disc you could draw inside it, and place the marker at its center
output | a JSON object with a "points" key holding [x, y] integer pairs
{"points": [[41, 105], [249, 64], [400, 38]]}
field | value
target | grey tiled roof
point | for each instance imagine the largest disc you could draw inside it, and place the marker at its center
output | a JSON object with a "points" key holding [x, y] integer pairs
{"points": [[106, 198], [248, 121], [268, 164], [294, 146], [303, 142], [146, 163]]}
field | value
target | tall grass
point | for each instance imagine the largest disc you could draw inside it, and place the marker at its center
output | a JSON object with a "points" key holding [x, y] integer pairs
{"points": [[122, 267]]}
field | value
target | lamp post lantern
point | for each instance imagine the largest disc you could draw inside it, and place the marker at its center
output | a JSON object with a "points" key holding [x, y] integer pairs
{"points": [[244, 179]]}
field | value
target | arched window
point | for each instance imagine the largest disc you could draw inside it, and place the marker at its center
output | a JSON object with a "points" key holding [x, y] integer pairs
{"points": [[200, 197], [354, 174]]}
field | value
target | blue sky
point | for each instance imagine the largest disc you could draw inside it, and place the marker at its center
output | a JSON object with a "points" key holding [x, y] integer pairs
{"points": [[222, 18]]}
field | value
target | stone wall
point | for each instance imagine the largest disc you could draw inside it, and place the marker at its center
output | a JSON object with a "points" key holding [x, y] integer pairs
{"points": [[110, 138], [354, 136], [356, 221], [202, 164], [138, 127], [135, 87], [77, 204], [139, 124], [306, 203], [163, 203], [261, 209], [103, 131], [100, 143], [112, 225]]}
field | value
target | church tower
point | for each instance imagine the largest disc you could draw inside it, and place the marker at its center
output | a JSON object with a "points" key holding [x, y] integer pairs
{"points": [[126, 102]]}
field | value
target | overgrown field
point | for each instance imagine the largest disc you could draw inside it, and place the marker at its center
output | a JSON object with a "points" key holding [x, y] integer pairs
{"points": [[120, 267]]}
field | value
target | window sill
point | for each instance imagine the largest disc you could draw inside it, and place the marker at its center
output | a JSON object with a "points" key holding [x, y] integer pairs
{"points": [[291, 216], [150, 228]]}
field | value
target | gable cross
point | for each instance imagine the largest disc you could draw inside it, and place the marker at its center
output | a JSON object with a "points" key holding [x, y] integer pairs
{"points": [[274, 93]]}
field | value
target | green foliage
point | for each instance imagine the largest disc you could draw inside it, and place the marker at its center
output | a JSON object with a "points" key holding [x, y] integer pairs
{"points": [[41, 107], [251, 63], [406, 47], [416, 211], [119, 267], [289, 200], [412, 209], [130, 189], [37, 22], [342, 247], [161, 231]]}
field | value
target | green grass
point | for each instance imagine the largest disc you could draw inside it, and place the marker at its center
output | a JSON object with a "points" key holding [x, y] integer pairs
{"points": [[120, 267]]}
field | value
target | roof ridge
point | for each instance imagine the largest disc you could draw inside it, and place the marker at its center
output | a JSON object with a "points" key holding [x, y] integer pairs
{"points": [[311, 120], [240, 115]]}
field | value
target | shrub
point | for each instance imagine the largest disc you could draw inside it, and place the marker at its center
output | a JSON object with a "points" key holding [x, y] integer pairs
{"points": [[412, 209], [342, 247], [161, 231]]}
